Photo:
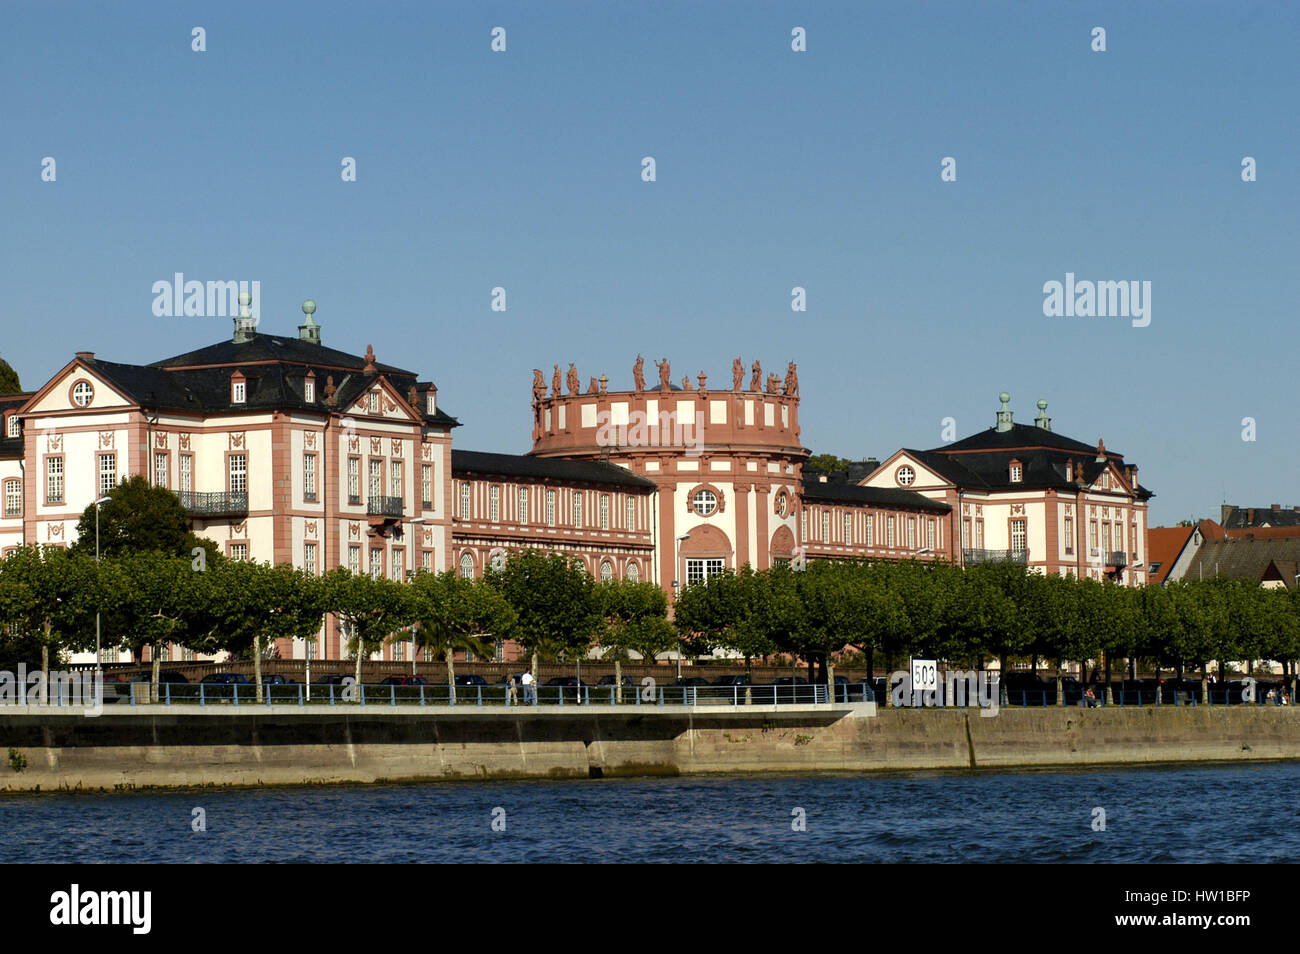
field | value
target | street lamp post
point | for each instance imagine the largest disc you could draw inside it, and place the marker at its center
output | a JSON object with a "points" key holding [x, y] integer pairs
{"points": [[99, 667], [677, 548], [410, 573]]}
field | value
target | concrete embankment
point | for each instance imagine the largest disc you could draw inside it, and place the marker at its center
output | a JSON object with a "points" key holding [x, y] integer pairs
{"points": [[148, 747]]}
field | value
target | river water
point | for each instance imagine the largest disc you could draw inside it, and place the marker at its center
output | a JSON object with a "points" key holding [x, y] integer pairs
{"points": [[1236, 813]]}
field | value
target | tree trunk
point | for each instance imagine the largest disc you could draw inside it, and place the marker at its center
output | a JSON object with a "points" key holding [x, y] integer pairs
{"points": [[356, 686], [45, 666], [1060, 685], [450, 655], [1109, 696], [1205, 685], [618, 682], [830, 681], [156, 665], [257, 665], [1033, 665]]}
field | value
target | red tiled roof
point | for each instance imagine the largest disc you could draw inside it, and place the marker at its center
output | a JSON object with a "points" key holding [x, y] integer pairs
{"points": [[1163, 546]]}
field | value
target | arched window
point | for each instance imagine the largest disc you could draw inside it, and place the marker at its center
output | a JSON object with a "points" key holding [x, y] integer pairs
{"points": [[467, 565], [606, 571], [464, 501], [633, 573]]}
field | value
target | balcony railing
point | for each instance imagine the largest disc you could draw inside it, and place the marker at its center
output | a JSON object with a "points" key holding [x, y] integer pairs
{"points": [[384, 506], [220, 504], [970, 557], [1116, 558]]}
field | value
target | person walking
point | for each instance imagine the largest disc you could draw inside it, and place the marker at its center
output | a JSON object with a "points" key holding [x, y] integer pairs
{"points": [[530, 694], [512, 690]]}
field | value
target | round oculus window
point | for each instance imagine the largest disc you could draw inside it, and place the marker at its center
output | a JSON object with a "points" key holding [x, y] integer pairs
{"points": [[705, 502], [82, 393], [905, 475]]}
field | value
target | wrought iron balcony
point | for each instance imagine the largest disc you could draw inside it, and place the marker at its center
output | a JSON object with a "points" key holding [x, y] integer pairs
{"points": [[1117, 558], [970, 557], [384, 506], [221, 504]]}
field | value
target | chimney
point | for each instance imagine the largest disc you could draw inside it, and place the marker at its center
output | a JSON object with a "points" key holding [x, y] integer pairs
{"points": [[245, 323], [1042, 420], [1004, 413], [1250, 515], [1275, 507], [309, 330], [1225, 513], [85, 356]]}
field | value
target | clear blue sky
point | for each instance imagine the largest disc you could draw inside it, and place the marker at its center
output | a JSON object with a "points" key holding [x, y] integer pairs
{"points": [[775, 169]]}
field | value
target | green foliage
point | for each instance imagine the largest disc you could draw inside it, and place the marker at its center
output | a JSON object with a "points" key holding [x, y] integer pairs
{"points": [[453, 613], [140, 517], [555, 599], [9, 383], [635, 619], [827, 463]]}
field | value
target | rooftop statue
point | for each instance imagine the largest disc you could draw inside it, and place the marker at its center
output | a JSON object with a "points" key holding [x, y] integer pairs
{"points": [[539, 385], [737, 374], [638, 374], [756, 382]]}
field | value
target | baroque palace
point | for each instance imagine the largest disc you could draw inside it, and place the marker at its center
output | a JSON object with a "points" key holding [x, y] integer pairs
{"points": [[284, 450]]}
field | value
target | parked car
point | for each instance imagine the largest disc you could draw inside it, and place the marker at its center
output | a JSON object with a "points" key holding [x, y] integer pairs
{"points": [[565, 688], [166, 675], [404, 681], [471, 679], [333, 679], [689, 681], [276, 679], [225, 679], [626, 682], [738, 680]]}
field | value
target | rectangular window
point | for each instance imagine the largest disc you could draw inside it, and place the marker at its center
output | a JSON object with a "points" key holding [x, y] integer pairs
{"points": [[426, 486], [522, 516], [965, 533], [871, 529], [354, 480], [494, 504], [309, 391], [399, 564], [803, 526], [426, 561], [187, 473], [1119, 538], [13, 498], [376, 468], [889, 531], [1105, 537], [1017, 536], [14, 426], [395, 479], [911, 533], [826, 526], [309, 558], [929, 534], [979, 533], [1133, 538], [237, 392], [54, 480], [238, 464], [631, 513], [848, 528], [376, 563], [239, 551], [464, 500], [550, 508], [308, 476], [354, 559], [372, 402], [1069, 534], [399, 651], [107, 473], [1092, 534], [577, 509], [160, 469], [698, 571], [604, 511]]}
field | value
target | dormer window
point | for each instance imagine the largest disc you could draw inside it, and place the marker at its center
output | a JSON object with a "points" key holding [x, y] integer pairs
{"points": [[238, 389], [1069, 471], [309, 391], [12, 430], [372, 402], [1017, 472], [430, 404]]}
